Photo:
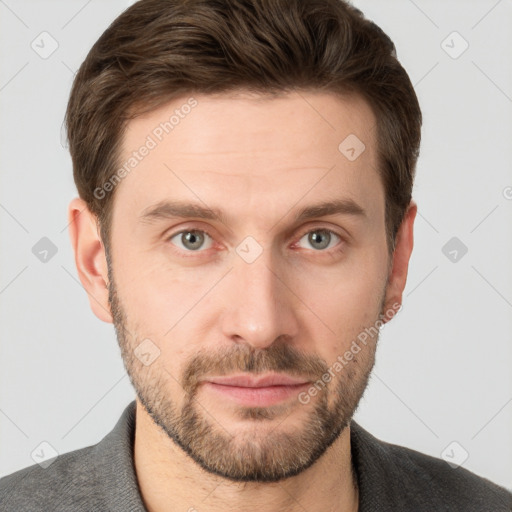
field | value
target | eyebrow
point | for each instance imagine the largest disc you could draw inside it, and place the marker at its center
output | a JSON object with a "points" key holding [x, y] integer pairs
{"points": [[178, 209]]}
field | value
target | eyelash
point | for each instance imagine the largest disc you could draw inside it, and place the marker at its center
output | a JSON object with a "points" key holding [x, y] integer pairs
{"points": [[332, 250]]}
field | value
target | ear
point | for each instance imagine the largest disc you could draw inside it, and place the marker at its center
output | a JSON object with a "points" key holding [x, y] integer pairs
{"points": [[397, 276], [90, 258]]}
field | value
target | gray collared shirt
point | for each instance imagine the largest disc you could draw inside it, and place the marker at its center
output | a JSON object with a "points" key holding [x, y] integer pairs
{"points": [[390, 477]]}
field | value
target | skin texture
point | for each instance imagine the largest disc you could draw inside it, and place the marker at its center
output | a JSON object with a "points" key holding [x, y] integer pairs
{"points": [[208, 310]]}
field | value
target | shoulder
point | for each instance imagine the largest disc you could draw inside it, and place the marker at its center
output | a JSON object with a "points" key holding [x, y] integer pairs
{"points": [[97, 477], [59, 486], [404, 478]]}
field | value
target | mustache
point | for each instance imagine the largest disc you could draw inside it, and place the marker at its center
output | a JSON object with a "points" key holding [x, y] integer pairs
{"points": [[279, 357]]}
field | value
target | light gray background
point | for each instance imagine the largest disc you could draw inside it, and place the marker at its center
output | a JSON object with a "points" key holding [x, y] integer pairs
{"points": [[443, 365]]}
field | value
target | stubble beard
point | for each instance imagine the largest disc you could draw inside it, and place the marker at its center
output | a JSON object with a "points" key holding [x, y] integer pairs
{"points": [[261, 453]]}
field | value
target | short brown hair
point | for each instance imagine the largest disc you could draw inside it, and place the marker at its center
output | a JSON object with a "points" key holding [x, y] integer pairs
{"points": [[157, 50]]}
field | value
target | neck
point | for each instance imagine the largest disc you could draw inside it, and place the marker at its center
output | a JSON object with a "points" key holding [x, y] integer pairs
{"points": [[170, 480]]}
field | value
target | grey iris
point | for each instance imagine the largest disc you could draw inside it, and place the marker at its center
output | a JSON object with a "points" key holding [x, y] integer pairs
{"points": [[321, 237], [192, 239]]}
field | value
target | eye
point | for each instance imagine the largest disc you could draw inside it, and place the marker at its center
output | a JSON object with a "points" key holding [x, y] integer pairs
{"points": [[191, 239], [196, 240], [321, 239]]}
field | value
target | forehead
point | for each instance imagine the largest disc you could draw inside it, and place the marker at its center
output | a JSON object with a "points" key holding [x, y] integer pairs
{"points": [[244, 151]]}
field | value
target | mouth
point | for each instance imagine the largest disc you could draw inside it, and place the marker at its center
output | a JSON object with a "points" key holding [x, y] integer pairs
{"points": [[254, 390]]}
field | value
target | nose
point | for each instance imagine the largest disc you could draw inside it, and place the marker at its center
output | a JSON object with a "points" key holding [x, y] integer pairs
{"points": [[259, 306]]}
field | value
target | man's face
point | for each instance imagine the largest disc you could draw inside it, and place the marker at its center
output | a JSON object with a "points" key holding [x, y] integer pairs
{"points": [[260, 291]]}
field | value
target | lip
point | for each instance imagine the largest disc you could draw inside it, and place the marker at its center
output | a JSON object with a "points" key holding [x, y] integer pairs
{"points": [[253, 381], [256, 391]]}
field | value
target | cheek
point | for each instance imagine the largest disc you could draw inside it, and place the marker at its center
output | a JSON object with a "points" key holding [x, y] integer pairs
{"points": [[156, 297], [347, 298], [168, 311], [354, 289]]}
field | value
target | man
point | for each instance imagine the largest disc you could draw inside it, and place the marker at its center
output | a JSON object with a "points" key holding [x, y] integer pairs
{"points": [[245, 220]]}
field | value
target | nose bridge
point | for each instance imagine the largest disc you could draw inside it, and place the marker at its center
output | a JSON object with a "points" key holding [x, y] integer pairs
{"points": [[258, 305]]}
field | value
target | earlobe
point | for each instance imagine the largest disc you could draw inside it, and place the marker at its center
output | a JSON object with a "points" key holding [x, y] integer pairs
{"points": [[400, 261], [90, 258]]}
